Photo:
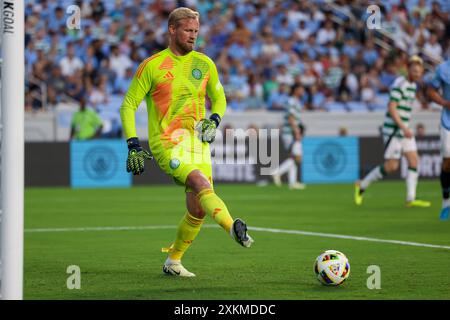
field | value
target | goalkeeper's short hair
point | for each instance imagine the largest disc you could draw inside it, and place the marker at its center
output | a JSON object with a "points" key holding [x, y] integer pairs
{"points": [[182, 13]]}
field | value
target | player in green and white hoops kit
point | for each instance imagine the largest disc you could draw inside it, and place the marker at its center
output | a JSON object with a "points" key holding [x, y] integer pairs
{"points": [[398, 137], [291, 135]]}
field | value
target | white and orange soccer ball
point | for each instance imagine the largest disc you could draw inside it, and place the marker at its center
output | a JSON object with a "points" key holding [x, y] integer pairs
{"points": [[332, 268]]}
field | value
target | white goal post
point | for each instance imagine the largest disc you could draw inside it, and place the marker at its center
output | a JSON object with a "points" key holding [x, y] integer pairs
{"points": [[12, 149]]}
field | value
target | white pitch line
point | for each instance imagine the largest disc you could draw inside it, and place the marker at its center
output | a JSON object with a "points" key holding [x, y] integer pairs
{"points": [[83, 229], [341, 236], [271, 230]]}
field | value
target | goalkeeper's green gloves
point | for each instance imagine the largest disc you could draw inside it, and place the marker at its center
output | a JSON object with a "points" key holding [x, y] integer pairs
{"points": [[206, 128], [136, 156]]}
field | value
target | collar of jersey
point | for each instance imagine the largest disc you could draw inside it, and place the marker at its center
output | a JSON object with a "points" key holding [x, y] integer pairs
{"points": [[173, 55]]}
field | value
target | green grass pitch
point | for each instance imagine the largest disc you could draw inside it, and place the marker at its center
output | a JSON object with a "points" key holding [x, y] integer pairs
{"points": [[126, 264]]}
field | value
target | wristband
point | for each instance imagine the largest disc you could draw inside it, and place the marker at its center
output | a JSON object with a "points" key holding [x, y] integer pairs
{"points": [[216, 118], [133, 143]]}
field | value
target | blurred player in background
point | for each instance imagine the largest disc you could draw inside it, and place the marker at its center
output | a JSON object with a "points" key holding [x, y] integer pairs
{"points": [[398, 137], [441, 80], [86, 123], [291, 134], [174, 83]]}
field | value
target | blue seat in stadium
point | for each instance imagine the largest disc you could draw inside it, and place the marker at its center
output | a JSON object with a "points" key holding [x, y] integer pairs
{"points": [[357, 106], [115, 101], [381, 103], [335, 107], [102, 107]]}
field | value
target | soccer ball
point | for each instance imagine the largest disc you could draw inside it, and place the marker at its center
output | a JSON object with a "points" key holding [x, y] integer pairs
{"points": [[332, 268]]}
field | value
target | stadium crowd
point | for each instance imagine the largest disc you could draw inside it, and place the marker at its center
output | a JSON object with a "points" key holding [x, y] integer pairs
{"points": [[262, 49]]}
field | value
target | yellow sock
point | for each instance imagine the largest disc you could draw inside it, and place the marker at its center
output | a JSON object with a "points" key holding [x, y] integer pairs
{"points": [[215, 207], [187, 231]]}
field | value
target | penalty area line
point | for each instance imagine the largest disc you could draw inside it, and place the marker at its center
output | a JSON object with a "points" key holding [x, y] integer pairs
{"points": [[270, 230]]}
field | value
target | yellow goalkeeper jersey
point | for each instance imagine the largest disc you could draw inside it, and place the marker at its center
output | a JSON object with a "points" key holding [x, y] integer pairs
{"points": [[174, 88]]}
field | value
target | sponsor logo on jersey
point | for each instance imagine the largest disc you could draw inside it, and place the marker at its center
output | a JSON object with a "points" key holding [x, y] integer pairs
{"points": [[168, 75]]}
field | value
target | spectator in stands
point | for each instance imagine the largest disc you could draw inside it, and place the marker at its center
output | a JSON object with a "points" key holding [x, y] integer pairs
{"points": [[388, 76], [367, 91], [237, 103], [86, 124], [333, 76], [302, 31], [255, 97], [294, 65], [309, 77], [438, 15], [57, 20], [270, 48], [75, 86], [119, 62], [348, 87], [432, 47], [284, 76], [122, 83], [270, 85], [99, 94], [351, 48], [390, 24], [55, 84], [421, 8], [279, 98], [70, 63], [254, 100], [373, 78], [116, 36], [370, 54], [326, 33], [98, 9], [285, 29], [30, 56], [316, 98], [240, 32]]}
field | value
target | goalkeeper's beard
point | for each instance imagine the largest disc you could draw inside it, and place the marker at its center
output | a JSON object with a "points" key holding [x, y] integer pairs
{"points": [[184, 48]]}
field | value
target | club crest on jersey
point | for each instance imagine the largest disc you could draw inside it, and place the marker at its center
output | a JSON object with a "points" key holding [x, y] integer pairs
{"points": [[174, 163], [196, 73]]}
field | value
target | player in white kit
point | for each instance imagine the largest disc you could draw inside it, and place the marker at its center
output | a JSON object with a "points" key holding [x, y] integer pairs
{"points": [[291, 135]]}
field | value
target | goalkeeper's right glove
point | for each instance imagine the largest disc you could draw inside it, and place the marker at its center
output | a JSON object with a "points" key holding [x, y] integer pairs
{"points": [[136, 156], [206, 128]]}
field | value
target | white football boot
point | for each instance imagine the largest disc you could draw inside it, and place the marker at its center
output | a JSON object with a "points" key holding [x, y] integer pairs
{"points": [[239, 233], [297, 186], [175, 268], [276, 179]]}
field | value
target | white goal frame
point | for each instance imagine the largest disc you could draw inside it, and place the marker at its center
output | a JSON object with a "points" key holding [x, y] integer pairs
{"points": [[12, 149]]}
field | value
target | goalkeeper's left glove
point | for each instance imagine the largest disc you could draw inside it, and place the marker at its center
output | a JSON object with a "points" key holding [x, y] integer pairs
{"points": [[136, 156], [206, 128]]}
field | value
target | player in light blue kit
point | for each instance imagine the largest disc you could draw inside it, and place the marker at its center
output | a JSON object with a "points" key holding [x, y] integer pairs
{"points": [[441, 80]]}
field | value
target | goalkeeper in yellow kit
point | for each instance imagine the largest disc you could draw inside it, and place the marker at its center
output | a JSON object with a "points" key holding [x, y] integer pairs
{"points": [[174, 83]]}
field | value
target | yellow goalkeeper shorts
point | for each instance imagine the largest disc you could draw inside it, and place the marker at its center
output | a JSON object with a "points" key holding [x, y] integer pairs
{"points": [[180, 160]]}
